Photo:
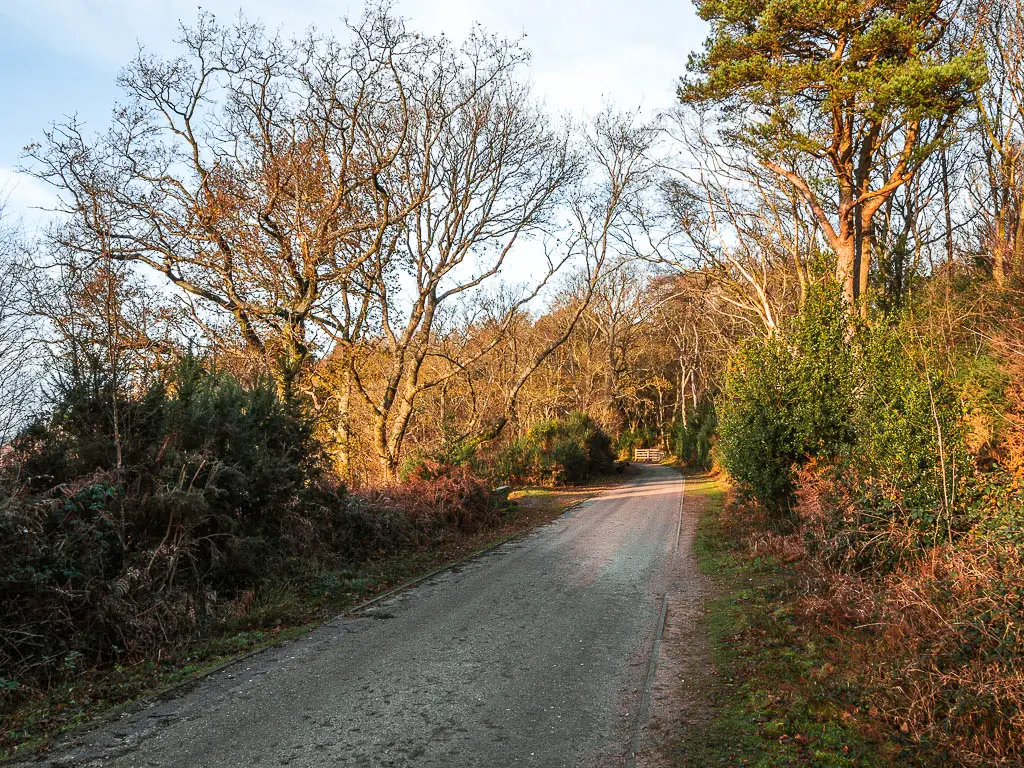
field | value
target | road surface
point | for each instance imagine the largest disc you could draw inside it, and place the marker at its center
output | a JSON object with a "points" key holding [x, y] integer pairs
{"points": [[537, 654]]}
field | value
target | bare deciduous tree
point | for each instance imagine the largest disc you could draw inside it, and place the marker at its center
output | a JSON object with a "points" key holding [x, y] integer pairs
{"points": [[750, 238], [250, 171], [489, 169], [17, 382]]}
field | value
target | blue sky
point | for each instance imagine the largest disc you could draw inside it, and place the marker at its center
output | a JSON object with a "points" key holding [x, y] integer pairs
{"points": [[61, 57]]}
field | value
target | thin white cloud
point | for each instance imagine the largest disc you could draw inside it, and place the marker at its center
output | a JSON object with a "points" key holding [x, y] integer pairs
{"points": [[23, 195]]}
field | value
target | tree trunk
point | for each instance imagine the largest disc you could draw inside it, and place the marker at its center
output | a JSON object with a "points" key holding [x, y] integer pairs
{"points": [[846, 265], [867, 247], [343, 427], [386, 459], [1016, 253], [999, 253], [681, 396], [947, 208]]}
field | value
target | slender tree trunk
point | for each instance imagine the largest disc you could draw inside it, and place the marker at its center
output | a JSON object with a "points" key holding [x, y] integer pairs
{"points": [[801, 276], [681, 396], [858, 253], [999, 252], [343, 426], [867, 247], [113, 360], [946, 208], [1017, 252]]}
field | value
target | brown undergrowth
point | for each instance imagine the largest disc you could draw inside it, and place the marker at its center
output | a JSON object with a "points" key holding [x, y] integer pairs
{"points": [[932, 647]]}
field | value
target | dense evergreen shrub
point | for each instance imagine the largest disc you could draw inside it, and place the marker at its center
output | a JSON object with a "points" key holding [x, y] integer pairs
{"points": [[509, 463], [862, 402], [693, 441], [910, 440], [908, 540], [568, 450], [572, 449], [102, 560], [789, 398]]}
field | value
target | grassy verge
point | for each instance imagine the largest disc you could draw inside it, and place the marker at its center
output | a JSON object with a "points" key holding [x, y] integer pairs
{"points": [[777, 697], [276, 613]]}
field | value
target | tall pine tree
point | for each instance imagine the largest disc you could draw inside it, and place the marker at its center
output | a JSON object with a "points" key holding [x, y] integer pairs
{"points": [[842, 99]]}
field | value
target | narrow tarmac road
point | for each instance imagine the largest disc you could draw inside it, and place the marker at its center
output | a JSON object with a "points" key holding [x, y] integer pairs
{"points": [[537, 654]]}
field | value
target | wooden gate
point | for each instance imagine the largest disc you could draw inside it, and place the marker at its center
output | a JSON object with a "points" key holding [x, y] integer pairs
{"points": [[652, 455]]}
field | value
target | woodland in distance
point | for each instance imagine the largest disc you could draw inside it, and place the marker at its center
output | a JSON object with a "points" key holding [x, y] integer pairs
{"points": [[305, 302]]}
